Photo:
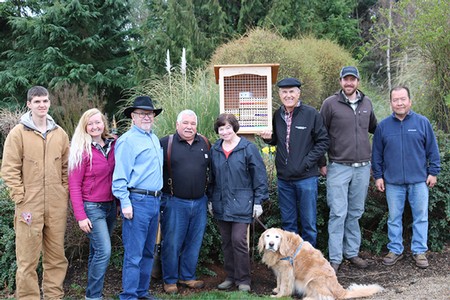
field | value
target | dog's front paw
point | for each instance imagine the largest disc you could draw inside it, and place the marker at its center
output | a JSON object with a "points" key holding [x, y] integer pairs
{"points": [[275, 291]]}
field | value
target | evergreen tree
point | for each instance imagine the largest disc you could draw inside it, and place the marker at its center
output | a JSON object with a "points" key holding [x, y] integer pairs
{"points": [[331, 19], [176, 24], [69, 41]]}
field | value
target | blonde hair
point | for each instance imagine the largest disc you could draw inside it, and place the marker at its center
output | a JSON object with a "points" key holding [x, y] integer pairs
{"points": [[81, 140]]}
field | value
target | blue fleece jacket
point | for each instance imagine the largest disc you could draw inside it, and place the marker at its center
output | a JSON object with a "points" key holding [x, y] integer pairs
{"points": [[405, 152]]}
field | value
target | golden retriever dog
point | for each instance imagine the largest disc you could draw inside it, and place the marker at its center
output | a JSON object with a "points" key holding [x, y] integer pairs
{"points": [[301, 268]]}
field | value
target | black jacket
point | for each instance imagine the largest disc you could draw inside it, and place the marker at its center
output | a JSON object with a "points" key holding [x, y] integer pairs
{"points": [[237, 183], [307, 144]]}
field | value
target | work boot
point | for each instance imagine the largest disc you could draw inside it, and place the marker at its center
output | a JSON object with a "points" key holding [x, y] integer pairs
{"points": [[192, 284], [170, 288], [391, 258], [359, 262], [335, 267], [421, 260]]}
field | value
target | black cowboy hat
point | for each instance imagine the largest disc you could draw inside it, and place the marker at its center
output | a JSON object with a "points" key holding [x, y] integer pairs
{"points": [[142, 102]]}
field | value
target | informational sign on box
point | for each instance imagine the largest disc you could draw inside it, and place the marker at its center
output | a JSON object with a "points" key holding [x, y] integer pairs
{"points": [[246, 92]]}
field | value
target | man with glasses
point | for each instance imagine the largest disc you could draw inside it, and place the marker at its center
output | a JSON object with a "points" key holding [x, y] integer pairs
{"points": [[137, 183]]}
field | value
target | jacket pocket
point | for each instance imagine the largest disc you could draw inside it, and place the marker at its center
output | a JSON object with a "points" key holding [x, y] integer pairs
{"points": [[241, 205]]}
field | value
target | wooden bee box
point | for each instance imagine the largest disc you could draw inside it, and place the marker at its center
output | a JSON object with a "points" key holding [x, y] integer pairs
{"points": [[246, 92]]}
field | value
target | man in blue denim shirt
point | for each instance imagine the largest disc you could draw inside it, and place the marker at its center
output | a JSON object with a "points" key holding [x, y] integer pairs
{"points": [[137, 183], [406, 161]]}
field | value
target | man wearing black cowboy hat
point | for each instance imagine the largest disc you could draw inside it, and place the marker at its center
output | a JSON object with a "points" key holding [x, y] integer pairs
{"points": [[137, 183]]}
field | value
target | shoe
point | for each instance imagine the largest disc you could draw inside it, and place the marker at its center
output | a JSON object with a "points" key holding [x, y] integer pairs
{"points": [[244, 288], [335, 267], [391, 258], [225, 285], [359, 262], [192, 284], [149, 297], [421, 260], [170, 288]]}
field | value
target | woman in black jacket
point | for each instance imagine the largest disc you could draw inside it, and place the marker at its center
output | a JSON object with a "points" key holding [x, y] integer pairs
{"points": [[238, 188]]}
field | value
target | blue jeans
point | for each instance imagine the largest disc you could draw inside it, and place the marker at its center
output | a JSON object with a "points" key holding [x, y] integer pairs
{"points": [[183, 223], [139, 238], [418, 200], [346, 196], [103, 218], [298, 199]]}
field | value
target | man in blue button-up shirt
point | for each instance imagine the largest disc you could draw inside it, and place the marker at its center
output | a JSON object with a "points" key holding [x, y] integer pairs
{"points": [[137, 181]]}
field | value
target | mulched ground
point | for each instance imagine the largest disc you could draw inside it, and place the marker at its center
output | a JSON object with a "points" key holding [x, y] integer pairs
{"points": [[401, 281]]}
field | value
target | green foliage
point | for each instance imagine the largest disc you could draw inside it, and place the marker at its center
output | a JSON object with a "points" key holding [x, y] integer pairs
{"points": [[210, 251], [173, 25], [7, 240], [316, 62], [67, 41], [329, 19], [439, 207], [416, 32]]}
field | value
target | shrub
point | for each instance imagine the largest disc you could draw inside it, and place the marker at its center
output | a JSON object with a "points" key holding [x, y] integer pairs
{"points": [[315, 62], [9, 117], [70, 101], [7, 241]]}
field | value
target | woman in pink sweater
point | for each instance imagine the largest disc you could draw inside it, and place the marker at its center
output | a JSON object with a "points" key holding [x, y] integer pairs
{"points": [[91, 165]]}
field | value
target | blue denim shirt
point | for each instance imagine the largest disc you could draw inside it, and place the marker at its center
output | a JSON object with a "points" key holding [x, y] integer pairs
{"points": [[139, 162]]}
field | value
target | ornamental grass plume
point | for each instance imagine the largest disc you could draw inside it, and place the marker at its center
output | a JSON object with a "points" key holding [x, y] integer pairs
{"points": [[168, 66], [183, 62], [183, 70]]}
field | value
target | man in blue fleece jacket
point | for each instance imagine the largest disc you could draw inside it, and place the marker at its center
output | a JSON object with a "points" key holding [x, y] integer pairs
{"points": [[405, 163]]}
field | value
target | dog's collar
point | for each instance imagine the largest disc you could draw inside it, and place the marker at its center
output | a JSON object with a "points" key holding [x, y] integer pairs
{"points": [[291, 258]]}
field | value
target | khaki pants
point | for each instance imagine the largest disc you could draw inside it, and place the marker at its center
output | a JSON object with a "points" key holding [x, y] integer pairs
{"points": [[44, 234]]}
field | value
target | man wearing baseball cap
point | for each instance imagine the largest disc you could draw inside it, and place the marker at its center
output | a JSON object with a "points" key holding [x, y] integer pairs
{"points": [[301, 139], [349, 118], [137, 183]]}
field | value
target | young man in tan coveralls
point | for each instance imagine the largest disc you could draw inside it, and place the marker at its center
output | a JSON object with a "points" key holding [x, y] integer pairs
{"points": [[34, 167]]}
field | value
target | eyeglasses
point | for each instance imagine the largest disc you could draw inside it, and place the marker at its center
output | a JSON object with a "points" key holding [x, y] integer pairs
{"points": [[142, 115]]}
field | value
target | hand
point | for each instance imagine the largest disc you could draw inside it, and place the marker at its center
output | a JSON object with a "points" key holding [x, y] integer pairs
{"points": [[210, 209], [323, 171], [128, 212], [266, 134], [257, 210], [431, 180], [85, 225], [379, 183]]}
